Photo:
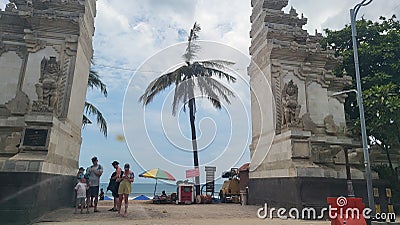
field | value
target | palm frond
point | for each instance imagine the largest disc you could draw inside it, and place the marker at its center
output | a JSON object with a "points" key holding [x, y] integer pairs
{"points": [[181, 95], [221, 74], [90, 109], [208, 91], [160, 84], [192, 48], [216, 63], [95, 81], [194, 32], [86, 121], [184, 78], [200, 69], [214, 89], [209, 87]]}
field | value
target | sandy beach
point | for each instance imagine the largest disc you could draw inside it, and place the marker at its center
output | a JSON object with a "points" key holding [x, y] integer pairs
{"points": [[142, 212]]}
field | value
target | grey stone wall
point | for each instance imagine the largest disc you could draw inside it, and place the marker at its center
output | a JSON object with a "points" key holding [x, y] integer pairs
{"points": [[26, 196]]}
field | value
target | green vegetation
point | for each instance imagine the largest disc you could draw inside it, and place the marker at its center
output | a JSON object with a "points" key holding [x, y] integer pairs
{"points": [[95, 81], [379, 54]]}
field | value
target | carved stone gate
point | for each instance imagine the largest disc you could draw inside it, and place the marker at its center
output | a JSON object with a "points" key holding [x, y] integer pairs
{"points": [[45, 52], [304, 163]]}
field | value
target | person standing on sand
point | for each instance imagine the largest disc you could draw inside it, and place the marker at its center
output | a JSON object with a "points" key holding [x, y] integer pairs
{"points": [[79, 175], [113, 185], [125, 188], [80, 190], [94, 172], [101, 195]]}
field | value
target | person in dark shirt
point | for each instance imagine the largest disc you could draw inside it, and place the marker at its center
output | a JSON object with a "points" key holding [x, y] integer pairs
{"points": [[113, 185], [101, 195]]}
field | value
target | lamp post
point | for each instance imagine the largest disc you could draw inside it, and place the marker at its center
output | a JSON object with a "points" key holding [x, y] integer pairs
{"points": [[350, 189], [367, 164], [344, 92]]}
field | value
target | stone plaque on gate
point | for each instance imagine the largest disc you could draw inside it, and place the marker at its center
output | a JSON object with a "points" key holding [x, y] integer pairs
{"points": [[35, 138]]}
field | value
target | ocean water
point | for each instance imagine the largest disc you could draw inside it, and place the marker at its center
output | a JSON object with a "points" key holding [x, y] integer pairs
{"points": [[147, 189]]}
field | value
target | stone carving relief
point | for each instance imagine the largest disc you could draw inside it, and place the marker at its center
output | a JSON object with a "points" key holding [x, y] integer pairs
{"points": [[71, 45], [275, 4], [23, 5], [308, 124], [356, 156], [68, 1], [3, 47], [33, 43], [10, 7], [4, 111], [20, 50], [291, 108], [276, 87], [19, 104], [325, 153], [48, 86], [330, 126], [9, 142]]}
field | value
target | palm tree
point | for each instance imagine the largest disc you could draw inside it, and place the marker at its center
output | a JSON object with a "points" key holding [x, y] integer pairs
{"points": [[94, 81], [193, 76]]}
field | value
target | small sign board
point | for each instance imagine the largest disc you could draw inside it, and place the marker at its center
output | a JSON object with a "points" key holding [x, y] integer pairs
{"points": [[35, 137], [210, 187], [192, 173]]}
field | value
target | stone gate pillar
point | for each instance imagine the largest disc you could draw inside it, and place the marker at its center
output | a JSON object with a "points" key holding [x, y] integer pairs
{"points": [[304, 163], [45, 53]]}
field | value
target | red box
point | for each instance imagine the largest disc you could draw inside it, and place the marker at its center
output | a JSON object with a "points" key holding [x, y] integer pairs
{"points": [[185, 194], [344, 206]]}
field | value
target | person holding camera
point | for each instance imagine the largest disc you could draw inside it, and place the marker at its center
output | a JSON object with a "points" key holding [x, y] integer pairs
{"points": [[125, 188], [94, 172]]}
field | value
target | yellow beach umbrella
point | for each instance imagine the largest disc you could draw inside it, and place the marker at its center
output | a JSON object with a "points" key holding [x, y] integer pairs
{"points": [[157, 173]]}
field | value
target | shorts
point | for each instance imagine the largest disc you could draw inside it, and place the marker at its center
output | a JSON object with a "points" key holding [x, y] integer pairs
{"points": [[115, 194], [80, 201], [93, 191]]}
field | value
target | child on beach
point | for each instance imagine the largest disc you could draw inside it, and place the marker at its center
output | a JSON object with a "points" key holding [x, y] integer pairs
{"points": [[80, 190], [101, 195], [80, 174], [78, 177]]}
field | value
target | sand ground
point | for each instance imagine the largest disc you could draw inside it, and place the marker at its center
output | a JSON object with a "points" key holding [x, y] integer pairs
{"points": [[168, 214]]}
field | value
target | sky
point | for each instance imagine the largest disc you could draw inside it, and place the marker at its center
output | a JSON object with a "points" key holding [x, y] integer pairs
{"points": [[136, 41]]}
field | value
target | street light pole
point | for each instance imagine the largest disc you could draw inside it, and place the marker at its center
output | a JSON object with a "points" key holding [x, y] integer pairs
{"points": [[367, 164], [344, 92]]}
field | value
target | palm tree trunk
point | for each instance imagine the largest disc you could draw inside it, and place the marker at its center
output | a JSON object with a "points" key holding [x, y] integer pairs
{"points": [[194, 142]]}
